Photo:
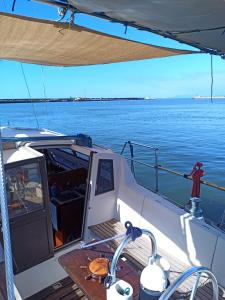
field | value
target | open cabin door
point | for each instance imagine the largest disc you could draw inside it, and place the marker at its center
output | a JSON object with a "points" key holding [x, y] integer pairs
{"points": [[67, 171], [102, 186], [28, 203]]}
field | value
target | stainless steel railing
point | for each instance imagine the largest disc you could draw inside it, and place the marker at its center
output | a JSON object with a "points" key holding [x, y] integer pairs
{"points": [[129, 151], [198, 271], [155, 166], [127, 238], [158, 167]]}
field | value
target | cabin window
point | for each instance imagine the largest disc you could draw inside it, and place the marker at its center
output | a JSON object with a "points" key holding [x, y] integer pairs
{"points": [[65, 158], [75, 153], [67, 150], [82, 156], [24, 189], [105, 177]]}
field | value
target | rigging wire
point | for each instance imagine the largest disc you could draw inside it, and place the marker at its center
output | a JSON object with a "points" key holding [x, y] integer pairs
{"points": [[25, 80], [44, 90], [212, 79], [13, 6], [43, 83]]}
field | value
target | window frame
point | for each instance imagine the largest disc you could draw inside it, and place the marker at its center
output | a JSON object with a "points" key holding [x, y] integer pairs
{"points": [[62, 163], [100, 161], [40, 162], [72, 154]]}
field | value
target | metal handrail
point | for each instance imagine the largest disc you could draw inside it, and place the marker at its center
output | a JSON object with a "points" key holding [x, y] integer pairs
{"points": [[112, 272], [158, 167], [141, 163], [188, 273], [144, 146], [38, 138]]}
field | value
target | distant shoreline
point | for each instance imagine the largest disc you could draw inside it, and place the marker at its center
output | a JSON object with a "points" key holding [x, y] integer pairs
{"points": [[208, 97], [78, 99]]}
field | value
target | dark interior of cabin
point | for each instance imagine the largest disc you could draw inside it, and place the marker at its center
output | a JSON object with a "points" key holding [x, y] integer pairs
{"points": [[67, 172]]}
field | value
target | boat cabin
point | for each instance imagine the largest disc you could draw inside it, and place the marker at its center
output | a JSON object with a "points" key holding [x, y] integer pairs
{"points": [[47, 190], [63, 190]]}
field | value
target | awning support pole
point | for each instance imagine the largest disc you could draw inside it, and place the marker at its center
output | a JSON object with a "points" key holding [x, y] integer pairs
{"points": [[5, 229]]}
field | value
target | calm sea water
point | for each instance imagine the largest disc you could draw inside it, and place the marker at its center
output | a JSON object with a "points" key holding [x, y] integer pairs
{"points": [[185, 130]]}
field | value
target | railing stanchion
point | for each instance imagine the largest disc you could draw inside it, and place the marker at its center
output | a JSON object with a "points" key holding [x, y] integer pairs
{"points": [[132, 157], [156, 171], [195, 287], [124, 146], [222, 220]]}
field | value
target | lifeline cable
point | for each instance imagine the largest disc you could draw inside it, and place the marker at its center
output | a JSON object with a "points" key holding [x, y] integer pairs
{"points": [[24, 76], [211, 90], [43, 83]]}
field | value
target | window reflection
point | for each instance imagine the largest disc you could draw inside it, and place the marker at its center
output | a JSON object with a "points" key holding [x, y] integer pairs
{"points": [[24, 189], [105, 180]]}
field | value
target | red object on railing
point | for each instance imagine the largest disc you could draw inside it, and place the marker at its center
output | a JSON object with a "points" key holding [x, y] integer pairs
{"points": [[196, 175]]}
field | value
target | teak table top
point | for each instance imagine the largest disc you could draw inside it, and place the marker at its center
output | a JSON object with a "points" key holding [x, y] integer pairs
{"points": [[76, 263]]}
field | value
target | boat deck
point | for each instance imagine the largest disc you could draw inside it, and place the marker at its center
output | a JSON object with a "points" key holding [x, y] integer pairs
{"points": [[138, 254], [65, 289]]}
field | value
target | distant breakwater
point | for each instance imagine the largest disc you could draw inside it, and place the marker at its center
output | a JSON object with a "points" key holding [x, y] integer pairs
{"points": [[77, 99]]}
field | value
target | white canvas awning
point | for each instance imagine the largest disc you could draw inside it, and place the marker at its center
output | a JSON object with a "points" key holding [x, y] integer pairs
{"points": [[61, 44]]}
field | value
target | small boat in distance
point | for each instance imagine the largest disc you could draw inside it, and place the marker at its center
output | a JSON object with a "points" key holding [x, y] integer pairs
{"points": [[149, 98]]}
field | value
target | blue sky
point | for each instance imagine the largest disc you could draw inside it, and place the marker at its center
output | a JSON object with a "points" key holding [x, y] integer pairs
{"points": [[181, 76]]}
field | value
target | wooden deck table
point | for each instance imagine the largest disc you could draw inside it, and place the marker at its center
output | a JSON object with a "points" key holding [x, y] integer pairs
{"points": [[76, 262]]}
